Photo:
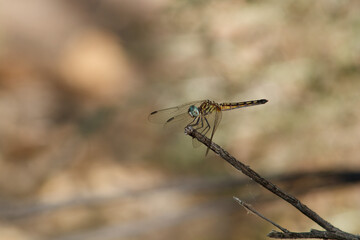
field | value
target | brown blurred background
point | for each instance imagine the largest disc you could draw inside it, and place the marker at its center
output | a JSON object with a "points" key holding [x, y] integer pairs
{"points": [[79, 159]]}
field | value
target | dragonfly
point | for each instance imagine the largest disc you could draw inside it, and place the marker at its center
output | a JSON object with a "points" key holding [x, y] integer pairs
{"points": [[204, 115]]}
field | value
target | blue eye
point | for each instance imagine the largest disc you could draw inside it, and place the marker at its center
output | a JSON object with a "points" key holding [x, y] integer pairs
{"points": [[193, 111]]}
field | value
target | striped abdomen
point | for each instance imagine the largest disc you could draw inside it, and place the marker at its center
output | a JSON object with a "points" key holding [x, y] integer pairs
{"points": [[230, 106]]}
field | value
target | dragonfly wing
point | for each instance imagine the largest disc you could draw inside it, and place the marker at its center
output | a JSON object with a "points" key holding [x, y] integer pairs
{"points": [[215, 123], [180, 120], [164, 115]]}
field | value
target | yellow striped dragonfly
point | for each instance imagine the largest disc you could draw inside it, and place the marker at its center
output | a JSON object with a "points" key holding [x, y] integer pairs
{"points": [[204, 115]]}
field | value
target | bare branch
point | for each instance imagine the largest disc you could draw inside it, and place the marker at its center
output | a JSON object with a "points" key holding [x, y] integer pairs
{"points": [[312, 234], [269, 186]]}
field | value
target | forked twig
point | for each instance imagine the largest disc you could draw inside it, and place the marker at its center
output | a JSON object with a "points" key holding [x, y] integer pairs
{"points": [[331, 230]]}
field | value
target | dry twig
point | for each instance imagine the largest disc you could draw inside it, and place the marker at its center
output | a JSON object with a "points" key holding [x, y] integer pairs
{"points": [[331, 231]]}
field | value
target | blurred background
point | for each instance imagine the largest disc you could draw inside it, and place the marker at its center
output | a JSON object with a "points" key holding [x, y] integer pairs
{"points": [[78, 79]]}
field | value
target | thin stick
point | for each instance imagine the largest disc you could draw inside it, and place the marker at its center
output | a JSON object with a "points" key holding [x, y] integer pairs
{"points": [[251, 209], [268, 185]]}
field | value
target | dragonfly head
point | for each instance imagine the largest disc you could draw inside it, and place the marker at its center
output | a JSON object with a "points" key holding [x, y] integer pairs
{"points": [[193, 111]]}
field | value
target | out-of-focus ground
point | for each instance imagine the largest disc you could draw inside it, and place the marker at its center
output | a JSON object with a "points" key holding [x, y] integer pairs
{"points": [[79, 159]]}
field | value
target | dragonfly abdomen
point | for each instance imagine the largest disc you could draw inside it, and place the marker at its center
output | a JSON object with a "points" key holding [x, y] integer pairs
{"points": [[230, 106]]}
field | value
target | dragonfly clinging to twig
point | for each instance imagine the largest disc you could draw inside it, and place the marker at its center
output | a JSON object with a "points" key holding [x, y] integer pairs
{"points": [[204, 115]]}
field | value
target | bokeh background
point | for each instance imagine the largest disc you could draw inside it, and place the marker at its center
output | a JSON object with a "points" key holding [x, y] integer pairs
{"points": [[79, 159]]}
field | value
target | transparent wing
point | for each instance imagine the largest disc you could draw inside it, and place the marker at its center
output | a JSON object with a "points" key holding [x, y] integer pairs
{"points": [[163, 116], [217, 120], [180, 120]]}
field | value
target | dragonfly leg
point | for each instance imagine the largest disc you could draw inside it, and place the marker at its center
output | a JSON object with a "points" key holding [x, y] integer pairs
{"points": [[202, 124], [207, 128], [191, 124]]}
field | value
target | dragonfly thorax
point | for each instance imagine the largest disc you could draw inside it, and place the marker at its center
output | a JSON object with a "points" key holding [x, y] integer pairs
{"points": [[193, 111]]}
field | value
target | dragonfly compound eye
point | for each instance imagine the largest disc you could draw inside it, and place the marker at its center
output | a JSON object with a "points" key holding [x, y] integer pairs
{"points": [[193, 111]]}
